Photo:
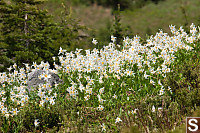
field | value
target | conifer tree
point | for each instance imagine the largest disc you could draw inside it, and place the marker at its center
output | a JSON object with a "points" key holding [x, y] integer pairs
{"points": [[66, 31], [4, 60], [117, 30], [26, 30]]}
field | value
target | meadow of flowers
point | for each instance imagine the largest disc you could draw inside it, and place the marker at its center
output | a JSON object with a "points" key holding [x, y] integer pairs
{"points": [[104, 90]]}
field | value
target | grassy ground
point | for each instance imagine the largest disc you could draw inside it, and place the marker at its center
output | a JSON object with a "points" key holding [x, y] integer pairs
{"points": [[92, 16], [162, 15], [148, 19]]}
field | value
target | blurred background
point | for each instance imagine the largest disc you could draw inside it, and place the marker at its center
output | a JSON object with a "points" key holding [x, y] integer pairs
{"points": [[141, 17], [47, 25]]}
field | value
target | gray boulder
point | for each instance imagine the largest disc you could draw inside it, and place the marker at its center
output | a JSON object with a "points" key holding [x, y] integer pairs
{"points": [[34, 81]]}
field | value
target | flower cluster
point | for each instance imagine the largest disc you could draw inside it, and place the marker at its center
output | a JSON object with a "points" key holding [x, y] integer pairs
{"points": [[146, 64], [152, 59], [14, 90]]}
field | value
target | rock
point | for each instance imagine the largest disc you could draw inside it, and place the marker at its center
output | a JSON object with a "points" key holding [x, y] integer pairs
{"points": [[34, 81]]}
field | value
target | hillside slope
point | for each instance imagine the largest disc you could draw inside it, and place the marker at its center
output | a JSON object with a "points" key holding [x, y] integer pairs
{"points": [[153, 17], [148, 19]]}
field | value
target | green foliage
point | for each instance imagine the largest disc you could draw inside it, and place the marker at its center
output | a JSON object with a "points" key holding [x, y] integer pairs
{"points": [[182, 128], [50, 117], [29, 35], [66, 32], [25, 30], [117, 29], [185, 80], [4, 60]]}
